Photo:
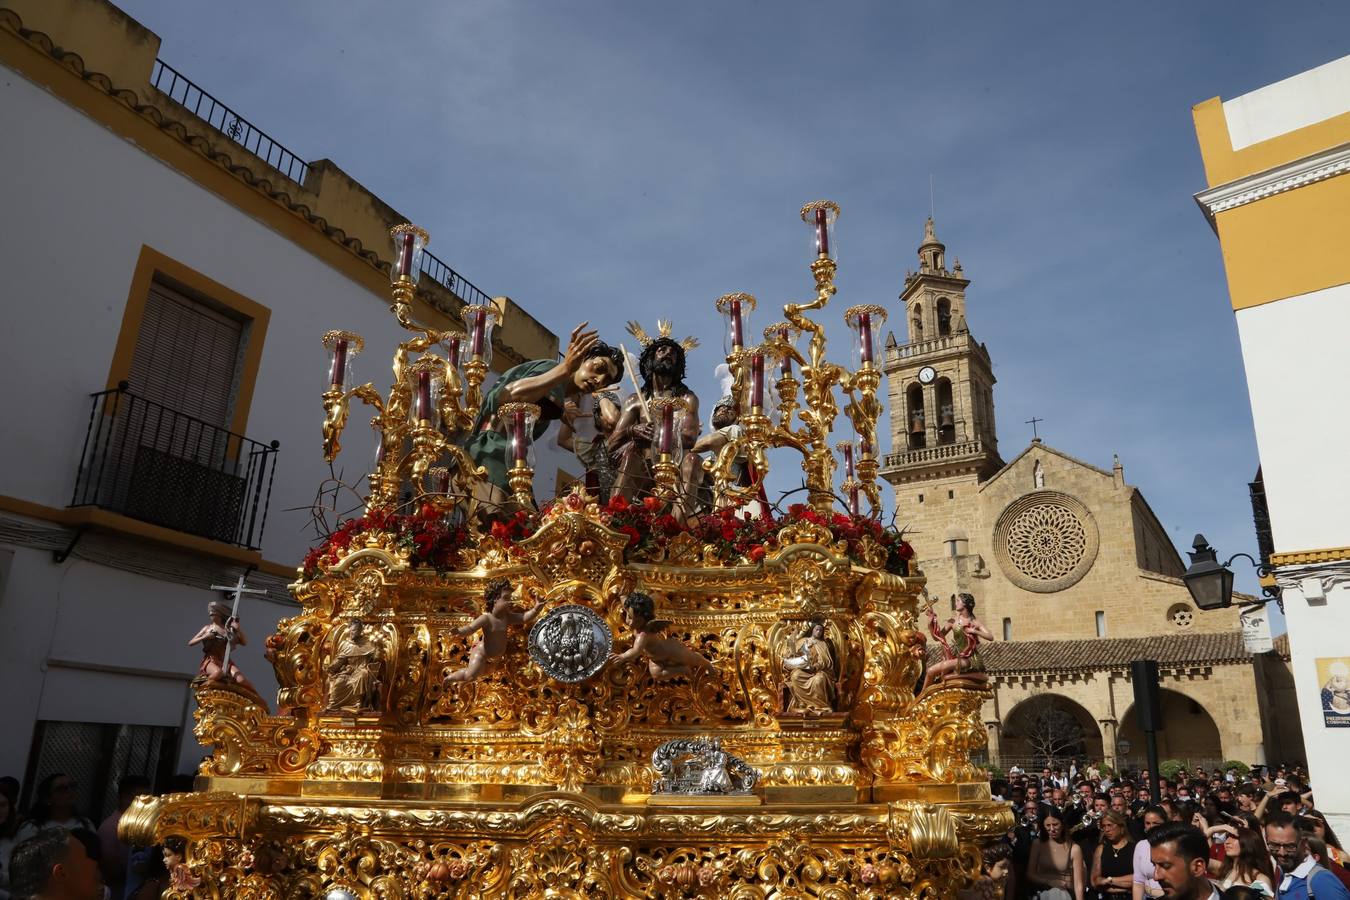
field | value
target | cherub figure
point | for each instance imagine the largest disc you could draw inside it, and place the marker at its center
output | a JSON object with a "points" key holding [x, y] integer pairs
{"points": [[222, 631], [495, 621], [963, 653], [666, 656]]}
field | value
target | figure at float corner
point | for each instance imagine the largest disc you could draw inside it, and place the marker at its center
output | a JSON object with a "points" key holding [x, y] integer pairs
{"points": [[962, 654], [495, 622], [667, 657], [223, 631]]}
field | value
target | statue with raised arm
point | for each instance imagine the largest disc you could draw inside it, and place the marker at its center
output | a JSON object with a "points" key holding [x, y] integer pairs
{"points": [[589, 365], [667, 657], [356, 674], [498, 616], [662, 369], [962, 654], [215, 636]]}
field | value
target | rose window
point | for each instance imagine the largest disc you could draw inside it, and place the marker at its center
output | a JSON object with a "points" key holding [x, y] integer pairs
{"points": [[1045, 541]]}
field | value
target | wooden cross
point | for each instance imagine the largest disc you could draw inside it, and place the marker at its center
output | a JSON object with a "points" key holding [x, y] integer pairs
{"points": [[238, 589], [1033, 422]]}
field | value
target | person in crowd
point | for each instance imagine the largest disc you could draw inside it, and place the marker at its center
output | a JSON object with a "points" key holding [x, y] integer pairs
{"points": [[993, 881], [57, 804], [1145, 884], [112, 852], [1113, 859], [53, 865], [1055, 870], [1180, 857], [1315, 824], [1317, 849], [9, 828], [1024, 836], [1245, 860], [1301, 876]]}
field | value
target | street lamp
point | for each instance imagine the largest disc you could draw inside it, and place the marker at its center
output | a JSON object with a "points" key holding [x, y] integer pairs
{"points": [[1210, 582]]}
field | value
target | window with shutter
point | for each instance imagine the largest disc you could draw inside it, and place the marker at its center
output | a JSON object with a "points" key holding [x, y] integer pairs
{"points": [[187, 356]]}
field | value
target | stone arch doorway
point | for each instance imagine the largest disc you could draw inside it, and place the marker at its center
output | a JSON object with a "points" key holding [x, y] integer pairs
{"points": [[1188, 733], [1049, 729]]}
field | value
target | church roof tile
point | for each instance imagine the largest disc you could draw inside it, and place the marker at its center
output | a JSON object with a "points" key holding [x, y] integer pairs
{"points": [[1201, 648]]}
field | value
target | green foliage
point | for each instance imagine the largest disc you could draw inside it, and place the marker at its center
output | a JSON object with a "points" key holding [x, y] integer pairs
{"points": [[1241, 768], [1169, 768], [995, 772]]}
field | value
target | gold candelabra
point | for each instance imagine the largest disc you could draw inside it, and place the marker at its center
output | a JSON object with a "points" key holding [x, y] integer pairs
{"points": [[819, 378], [422, 420]]}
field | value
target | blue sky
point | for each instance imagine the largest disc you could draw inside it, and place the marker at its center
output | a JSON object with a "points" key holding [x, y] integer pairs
{"points": [[619, 160]]}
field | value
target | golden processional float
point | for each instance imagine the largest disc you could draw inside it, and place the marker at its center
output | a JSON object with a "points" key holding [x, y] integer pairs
{"points": [[774, 743]]}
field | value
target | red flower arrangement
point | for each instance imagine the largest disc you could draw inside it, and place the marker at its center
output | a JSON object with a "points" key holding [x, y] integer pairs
{"points": [[429, 538]]}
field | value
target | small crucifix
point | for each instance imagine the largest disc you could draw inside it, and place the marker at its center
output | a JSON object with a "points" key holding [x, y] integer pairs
{"points": [[238, 589], [1033, 422]]}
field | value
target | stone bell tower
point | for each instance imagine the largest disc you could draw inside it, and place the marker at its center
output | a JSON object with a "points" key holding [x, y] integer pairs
{"points": [[941, 392]]}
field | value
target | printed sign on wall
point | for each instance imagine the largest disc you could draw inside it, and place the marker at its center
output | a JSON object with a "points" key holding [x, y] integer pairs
{"points": [[1333, 673]]}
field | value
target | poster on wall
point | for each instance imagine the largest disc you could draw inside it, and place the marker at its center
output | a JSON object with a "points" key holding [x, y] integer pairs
{"points": [[1333, 673], [1256, 630]]}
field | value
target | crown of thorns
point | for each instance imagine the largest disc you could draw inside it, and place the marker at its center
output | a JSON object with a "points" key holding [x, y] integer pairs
{"points": [[663, 330]]}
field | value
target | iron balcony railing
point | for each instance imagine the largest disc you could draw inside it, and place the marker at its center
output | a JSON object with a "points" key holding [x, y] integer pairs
{"points": [[148, 462], [457, 284], [228, 122]]}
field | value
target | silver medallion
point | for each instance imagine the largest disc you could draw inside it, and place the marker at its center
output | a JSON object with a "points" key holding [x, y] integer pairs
{"points": [[699, 766], [571, 643]]}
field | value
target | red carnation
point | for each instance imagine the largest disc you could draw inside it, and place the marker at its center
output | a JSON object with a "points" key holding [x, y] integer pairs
{"points": [[633, 535], [757, 553]]}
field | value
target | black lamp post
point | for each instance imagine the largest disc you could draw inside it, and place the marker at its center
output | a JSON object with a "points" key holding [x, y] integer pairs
{"points": [[1210, 582]]}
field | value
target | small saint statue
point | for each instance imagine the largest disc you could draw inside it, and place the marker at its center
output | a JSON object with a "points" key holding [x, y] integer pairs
{"points": [[498, 617], [356, 674], [812, 672], [962, 654], [222, 632], [667, 657]]}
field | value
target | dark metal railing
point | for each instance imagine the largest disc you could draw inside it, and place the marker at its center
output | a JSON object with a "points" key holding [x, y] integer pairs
{"points": [[149, 462], [1265, 540], [227, 121], [458, 285]]}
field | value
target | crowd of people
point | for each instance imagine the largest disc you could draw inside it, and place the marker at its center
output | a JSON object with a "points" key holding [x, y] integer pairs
{"points": [[52, 852], [1084, 833]]}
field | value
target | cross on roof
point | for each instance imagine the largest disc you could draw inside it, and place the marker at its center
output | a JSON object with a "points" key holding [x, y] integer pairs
{"points": [[1033, 422]]}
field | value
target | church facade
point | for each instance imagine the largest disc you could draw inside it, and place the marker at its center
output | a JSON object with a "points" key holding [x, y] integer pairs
{"points": [[1070, 568]]}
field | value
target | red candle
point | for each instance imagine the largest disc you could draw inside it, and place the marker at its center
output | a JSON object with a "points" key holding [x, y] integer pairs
{"points": [[865, 336], [785, 367], [853, 499], [848, 460], [338, 373], [737, 326], [453, 350], [519, 449], [405, 254], [757, 380], [479, 331], [422, 407], [667, 442], [822, 232]]}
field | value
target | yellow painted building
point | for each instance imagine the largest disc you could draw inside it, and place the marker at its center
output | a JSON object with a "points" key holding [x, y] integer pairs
{"points": [[1277, 162]]}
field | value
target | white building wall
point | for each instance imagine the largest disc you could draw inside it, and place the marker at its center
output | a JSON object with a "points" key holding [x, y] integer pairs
{"points": [[1298, 371]]}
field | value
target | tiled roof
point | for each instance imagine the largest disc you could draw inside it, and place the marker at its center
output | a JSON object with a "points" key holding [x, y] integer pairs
{"points": [[1201, 648]]}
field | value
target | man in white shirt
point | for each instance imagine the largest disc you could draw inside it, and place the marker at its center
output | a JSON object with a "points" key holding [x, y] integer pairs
{"points": [[1180, 856]]}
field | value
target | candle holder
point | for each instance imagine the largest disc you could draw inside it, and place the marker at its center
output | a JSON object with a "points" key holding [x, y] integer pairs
{"points": [[343, 347], [782, 337], [821, 216], [409, 242], [668, 414], [479, 320], [516, 421], [851, 486], [736, 309]]}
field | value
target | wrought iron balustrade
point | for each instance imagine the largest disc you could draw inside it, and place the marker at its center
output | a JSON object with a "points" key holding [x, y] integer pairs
{"points": [[149, 462], [228, 122], [456, 283]]}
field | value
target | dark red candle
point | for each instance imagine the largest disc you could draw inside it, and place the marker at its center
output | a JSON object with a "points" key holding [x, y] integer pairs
{"points": [[785, 367], [757, 380], [667, 442], [848, 460], [865, 336], [822, 232], [737, 325], [479, 331], [452, 349], [405, 254], [422, 407], [853, 499], [519, 449], [337, 375]]}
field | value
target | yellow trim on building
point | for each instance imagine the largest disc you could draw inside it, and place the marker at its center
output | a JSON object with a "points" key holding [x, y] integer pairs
{"points": [[152, 263], [1224, 164], [1308, 557], [103, 520]]}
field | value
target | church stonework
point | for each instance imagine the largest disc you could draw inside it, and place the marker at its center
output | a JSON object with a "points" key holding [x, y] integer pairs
{"points": [[1070, 567]]}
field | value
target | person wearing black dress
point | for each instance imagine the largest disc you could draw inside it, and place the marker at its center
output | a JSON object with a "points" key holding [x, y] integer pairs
{"points": [[1113, 860]]}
